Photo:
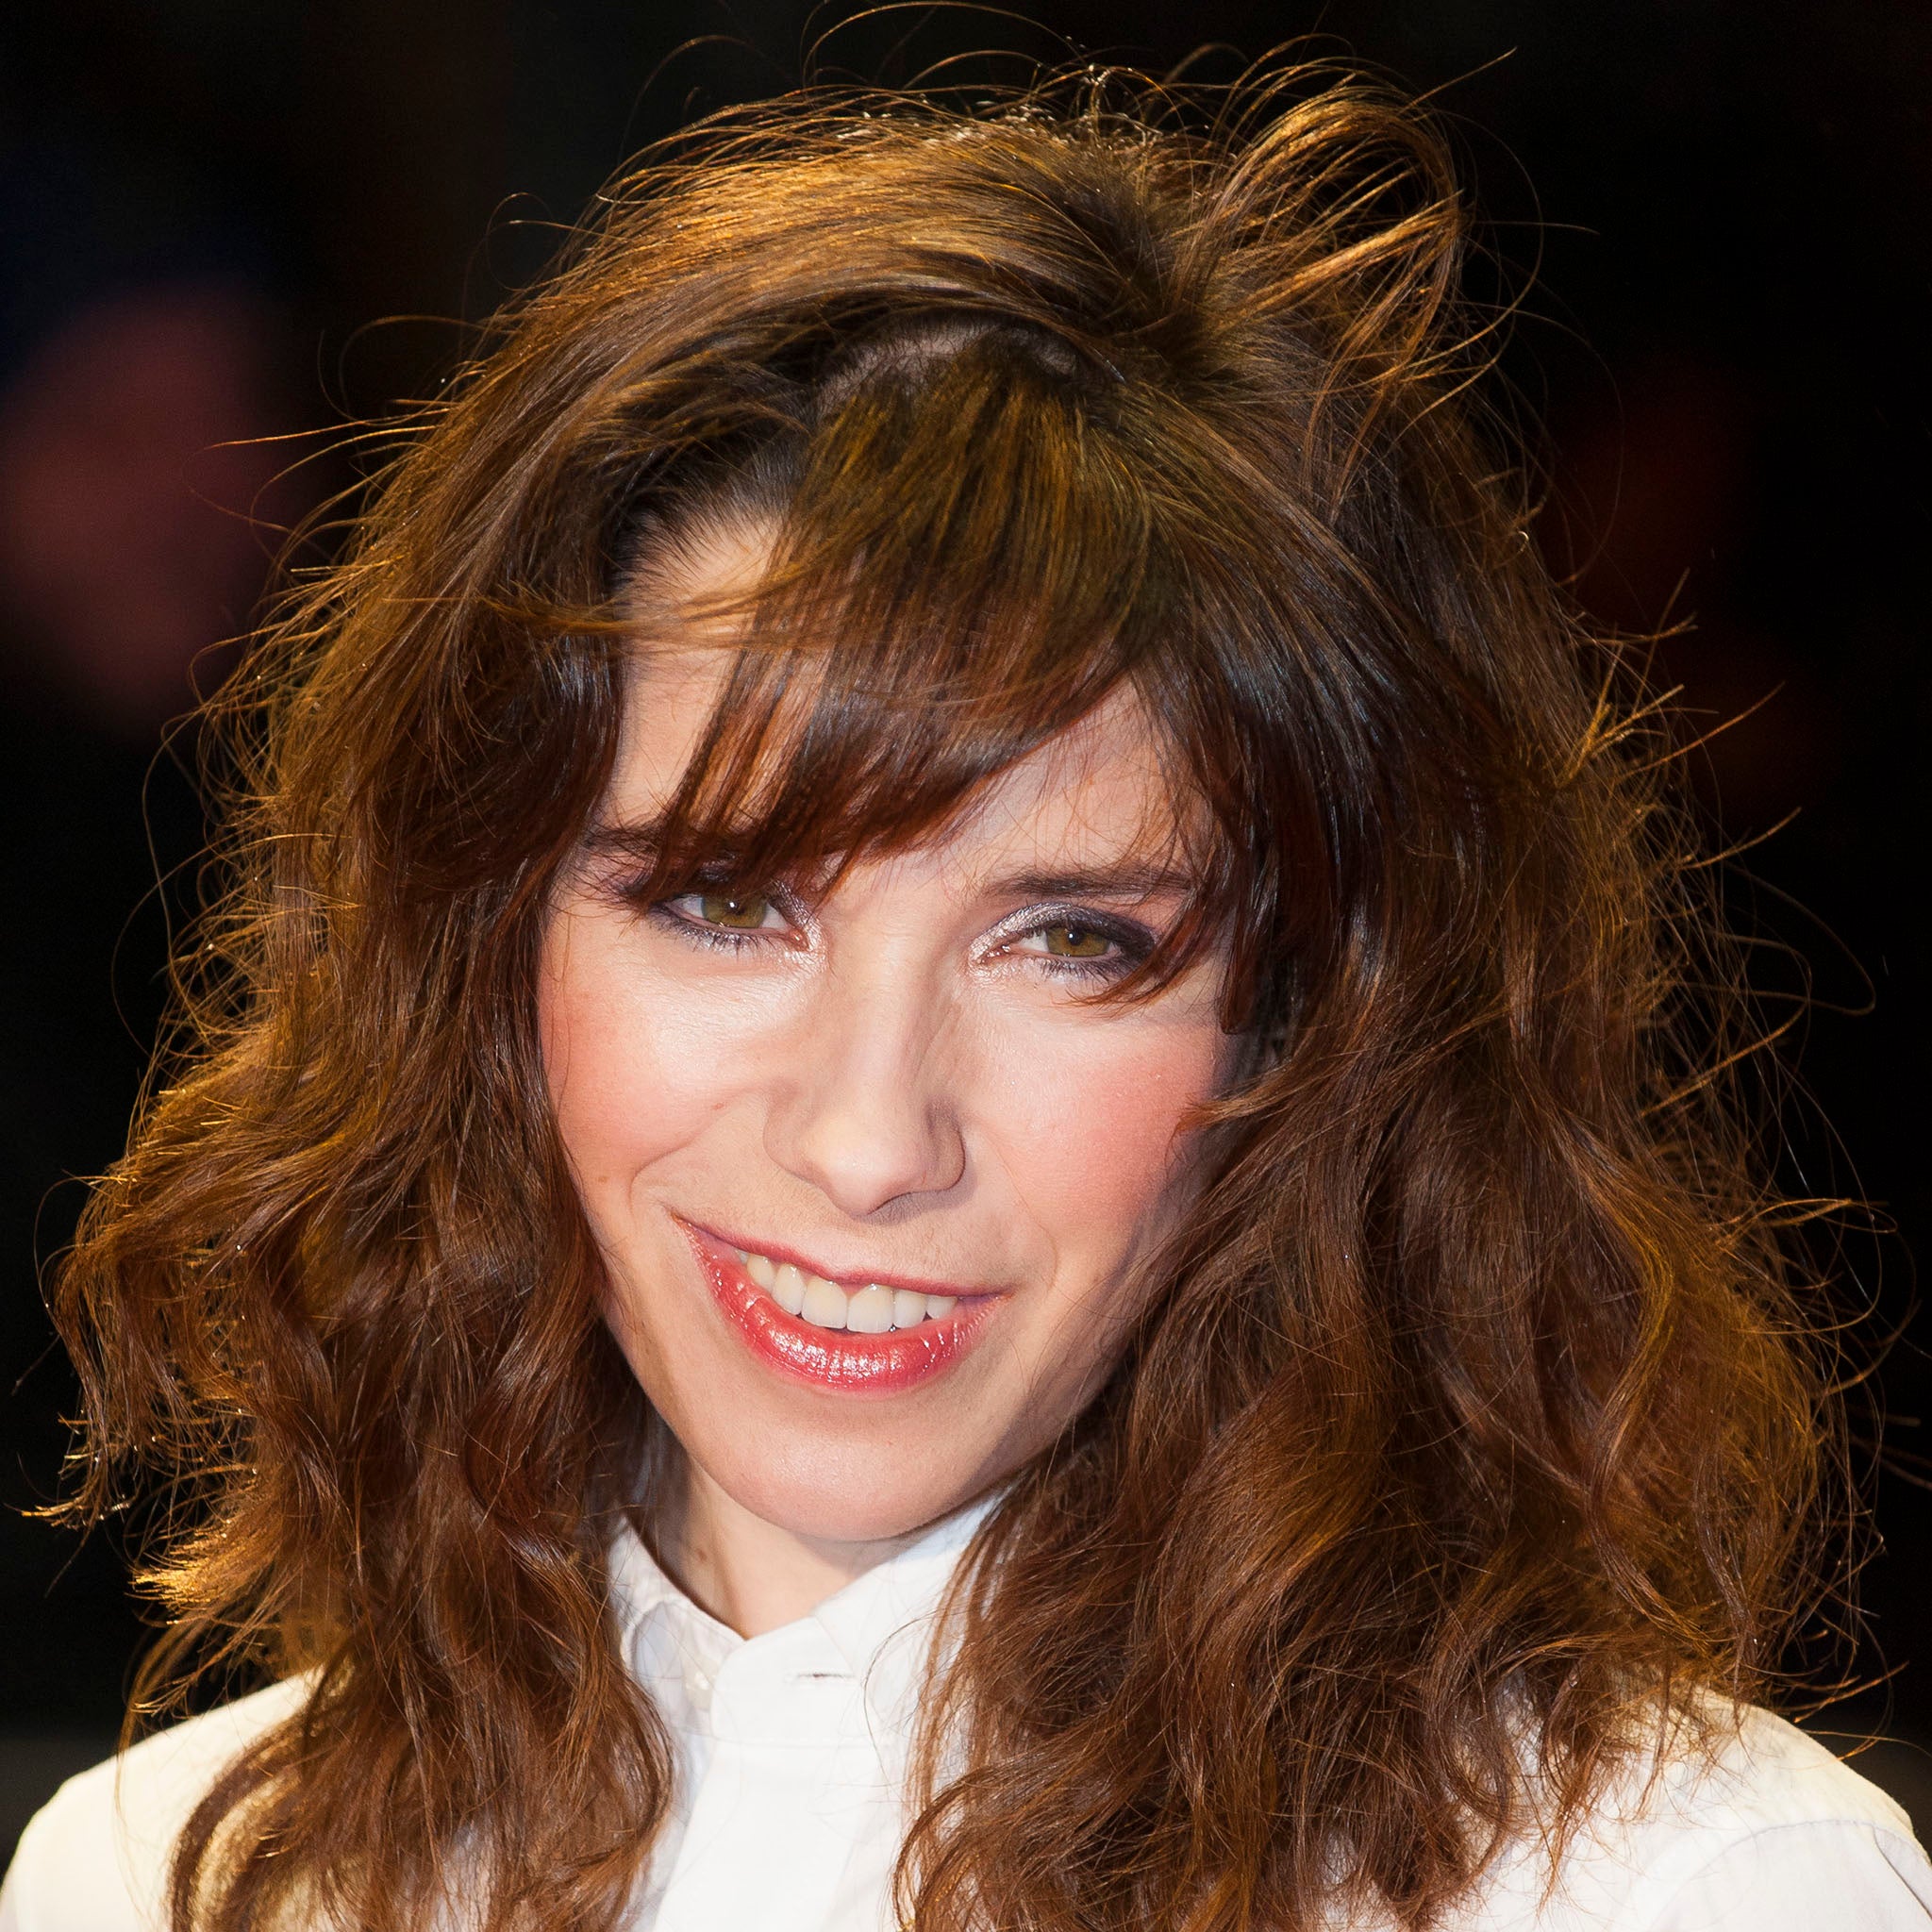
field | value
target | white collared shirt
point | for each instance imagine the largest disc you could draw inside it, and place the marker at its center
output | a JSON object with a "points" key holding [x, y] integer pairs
{"points": [[792, 1755], [792, 1746]]}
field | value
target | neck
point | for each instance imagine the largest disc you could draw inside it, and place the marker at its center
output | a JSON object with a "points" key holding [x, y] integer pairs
{"points": [[751, 1574]]}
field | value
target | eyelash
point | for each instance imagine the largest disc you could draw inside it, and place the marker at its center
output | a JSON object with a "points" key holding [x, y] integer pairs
{"points": [[1132, 942], [721, 938]]}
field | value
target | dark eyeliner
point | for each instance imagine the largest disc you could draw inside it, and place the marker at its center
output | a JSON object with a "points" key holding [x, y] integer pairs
{"points": [[724, 938], [1135, 941]]}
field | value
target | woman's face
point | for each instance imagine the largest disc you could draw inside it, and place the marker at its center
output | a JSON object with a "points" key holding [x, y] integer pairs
{"points": [[869, 1173]]}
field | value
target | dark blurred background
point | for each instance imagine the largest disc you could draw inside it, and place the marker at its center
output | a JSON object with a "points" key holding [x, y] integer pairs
{"points": [[227, 227]]}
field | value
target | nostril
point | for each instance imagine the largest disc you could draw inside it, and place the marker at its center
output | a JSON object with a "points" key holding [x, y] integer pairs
{"points": [[863, 1158]]}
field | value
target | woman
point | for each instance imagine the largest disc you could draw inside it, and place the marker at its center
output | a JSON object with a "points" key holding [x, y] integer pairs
{"points": [[949, 1166]]}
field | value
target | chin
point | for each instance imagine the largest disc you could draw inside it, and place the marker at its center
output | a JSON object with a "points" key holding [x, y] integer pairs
{"points": [[824, 1497]]}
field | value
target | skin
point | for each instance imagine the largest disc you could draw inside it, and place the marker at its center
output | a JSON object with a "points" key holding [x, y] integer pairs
{"points": [[900, 1078]]}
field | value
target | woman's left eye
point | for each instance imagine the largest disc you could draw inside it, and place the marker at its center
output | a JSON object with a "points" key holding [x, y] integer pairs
{"points": [[1078, 943], [1069, 941]]}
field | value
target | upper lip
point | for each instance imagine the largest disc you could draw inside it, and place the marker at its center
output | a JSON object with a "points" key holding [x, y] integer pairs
{"points": [[846, 1277]]}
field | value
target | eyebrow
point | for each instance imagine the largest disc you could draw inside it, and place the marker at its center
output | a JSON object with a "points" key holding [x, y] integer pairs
{"points": [[1124, 878], [1127, 879], [642, 837]]}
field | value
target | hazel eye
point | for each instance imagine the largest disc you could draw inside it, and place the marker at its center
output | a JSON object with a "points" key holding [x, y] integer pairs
{"points": [[1071, 941], [726, 917], [733, 912]]}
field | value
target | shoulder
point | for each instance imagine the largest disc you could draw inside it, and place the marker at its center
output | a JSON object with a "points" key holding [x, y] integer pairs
{"points": [[1753, 1827], [95, 1858]]}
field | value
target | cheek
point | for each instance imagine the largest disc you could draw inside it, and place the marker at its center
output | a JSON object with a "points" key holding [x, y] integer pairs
{"points": [[1092, 1135], [622, 1090]]}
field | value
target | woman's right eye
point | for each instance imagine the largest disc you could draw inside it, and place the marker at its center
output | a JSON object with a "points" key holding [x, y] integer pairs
{"points": [[726, 910], [743, 911]]}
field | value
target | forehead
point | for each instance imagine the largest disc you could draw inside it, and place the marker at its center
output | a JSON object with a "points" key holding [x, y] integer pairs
{"points": [[1099, 793], [1097, 790]]}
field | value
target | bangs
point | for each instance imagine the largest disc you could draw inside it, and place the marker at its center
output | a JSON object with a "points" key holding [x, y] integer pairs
{"points": [[967, 556]]}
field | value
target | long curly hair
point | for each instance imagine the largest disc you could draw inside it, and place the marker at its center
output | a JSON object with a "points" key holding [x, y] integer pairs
{"points": [[1480, 1411]]}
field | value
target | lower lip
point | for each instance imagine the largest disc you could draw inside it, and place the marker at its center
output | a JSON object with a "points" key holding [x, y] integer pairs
{"points": [[834, 1358]]}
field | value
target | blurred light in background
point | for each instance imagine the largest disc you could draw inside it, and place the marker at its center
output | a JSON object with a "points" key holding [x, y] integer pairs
{"points": [[138, 498]]}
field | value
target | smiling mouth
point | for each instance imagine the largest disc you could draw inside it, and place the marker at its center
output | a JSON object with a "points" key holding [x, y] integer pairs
{"points": [[877, 1337], [872, 1308]]}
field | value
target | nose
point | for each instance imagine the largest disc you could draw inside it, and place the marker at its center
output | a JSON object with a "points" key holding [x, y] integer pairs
{"points": [[870, 1113]]}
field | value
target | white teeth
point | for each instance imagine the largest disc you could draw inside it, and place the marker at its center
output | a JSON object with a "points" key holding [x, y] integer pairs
{"points": [[874, 1309], [789, 1288], [869, 1312], [825, 1302]]}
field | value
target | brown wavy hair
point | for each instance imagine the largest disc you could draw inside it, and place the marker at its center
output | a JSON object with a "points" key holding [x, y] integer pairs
{"points": [[1479, 1411]]}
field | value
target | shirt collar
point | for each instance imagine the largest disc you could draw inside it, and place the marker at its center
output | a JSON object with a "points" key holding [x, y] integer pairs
{"points": [[880, 1623]]}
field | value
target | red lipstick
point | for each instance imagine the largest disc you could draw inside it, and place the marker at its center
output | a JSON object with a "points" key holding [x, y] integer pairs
{"points": [[835, 1359]]}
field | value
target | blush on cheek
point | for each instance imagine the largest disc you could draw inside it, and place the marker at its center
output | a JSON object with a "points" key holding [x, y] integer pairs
{"points": [[1098, 1151]]}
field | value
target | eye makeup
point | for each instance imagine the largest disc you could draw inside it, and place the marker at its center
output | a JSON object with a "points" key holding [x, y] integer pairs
{"points": [[1130, 942]]}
